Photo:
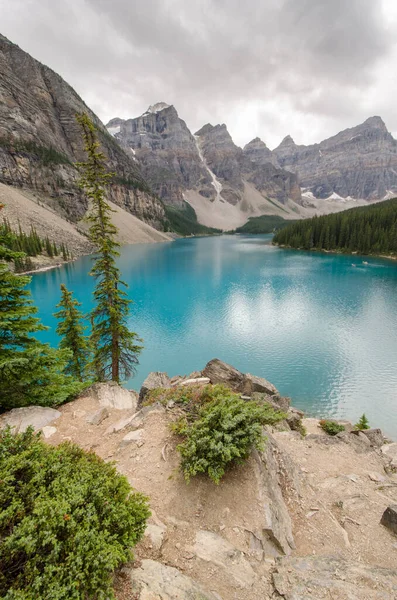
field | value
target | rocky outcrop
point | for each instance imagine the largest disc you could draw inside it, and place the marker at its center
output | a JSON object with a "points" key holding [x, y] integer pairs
{"points": [[360, 162], [218, 371], [40, 141]]}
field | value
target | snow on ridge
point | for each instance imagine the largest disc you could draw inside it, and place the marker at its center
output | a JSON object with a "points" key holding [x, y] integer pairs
{"points": [[215, 181], [114, 130], [155, 108]]}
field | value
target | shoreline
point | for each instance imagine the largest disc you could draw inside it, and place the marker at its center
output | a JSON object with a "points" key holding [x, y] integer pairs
{"points": [[322, 251]]}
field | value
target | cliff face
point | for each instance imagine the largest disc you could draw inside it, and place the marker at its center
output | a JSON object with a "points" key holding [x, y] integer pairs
{"points": [[360, 162], [40, 141], [167, 151], [208, 163]]}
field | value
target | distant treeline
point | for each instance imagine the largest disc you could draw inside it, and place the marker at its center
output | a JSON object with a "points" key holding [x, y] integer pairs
{"points": [[31, 244], [368, 230], [184, 221], [263, 224]]}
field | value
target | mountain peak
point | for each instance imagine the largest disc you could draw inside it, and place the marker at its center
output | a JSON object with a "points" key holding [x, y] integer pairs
{"points": [[375, 122], [287, 141], [257, 142]]}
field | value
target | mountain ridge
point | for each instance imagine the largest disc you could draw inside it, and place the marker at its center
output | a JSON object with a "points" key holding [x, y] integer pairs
{"points": [[40, 142]]}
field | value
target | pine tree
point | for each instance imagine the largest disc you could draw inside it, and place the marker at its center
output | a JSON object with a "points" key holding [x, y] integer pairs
{"points": [[363, 423], [115, 347], [30, 372], [71, 330]]}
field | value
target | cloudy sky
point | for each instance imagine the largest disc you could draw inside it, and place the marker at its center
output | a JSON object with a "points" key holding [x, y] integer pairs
{"points": [[266, 68]]}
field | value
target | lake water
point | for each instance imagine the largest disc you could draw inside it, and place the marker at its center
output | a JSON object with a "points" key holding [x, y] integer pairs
{"points": [[322, 330]]}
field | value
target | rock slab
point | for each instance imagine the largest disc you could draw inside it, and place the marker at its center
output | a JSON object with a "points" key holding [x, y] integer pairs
{"points": [[155, 581], [112, 395], [36, 416]]}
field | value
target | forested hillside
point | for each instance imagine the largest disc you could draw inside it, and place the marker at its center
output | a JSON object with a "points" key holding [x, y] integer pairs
{"points": [[369, 230]]}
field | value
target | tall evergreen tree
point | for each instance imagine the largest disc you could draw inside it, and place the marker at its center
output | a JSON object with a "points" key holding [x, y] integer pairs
{"points": [[71, 330], [115, 347], [30, 372]]}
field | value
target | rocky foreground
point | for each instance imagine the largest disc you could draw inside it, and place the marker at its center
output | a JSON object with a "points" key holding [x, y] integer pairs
{"points": [[300, 520]]}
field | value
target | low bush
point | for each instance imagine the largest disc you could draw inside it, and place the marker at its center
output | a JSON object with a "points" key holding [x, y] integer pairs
{"points": [[67, 520], [220, 429], [331, 427]]}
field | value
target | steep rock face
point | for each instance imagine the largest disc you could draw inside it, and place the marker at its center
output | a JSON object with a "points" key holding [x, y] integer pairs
{"points": [[174, 161], [360, 162], [167, 151], [40, 140], [224, 159], [261, 168]]}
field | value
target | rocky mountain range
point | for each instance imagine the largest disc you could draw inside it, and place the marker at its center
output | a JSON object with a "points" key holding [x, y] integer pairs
{"points": [[40, 141], [158, 161], [226, 184], [359, 163]]}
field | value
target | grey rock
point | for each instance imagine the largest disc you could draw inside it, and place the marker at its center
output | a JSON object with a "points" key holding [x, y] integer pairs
{"points": [[98, 417], [294, 418], [36, 416], [324, 577], [220, 372], [39, 106], [214, 549], [195, 381], [153, 381], [112, 395], [324, 440], [390, 452], [48, 431], [155, 534], [132, 436], [389, 518], [277, 475], [153, 580], [375, 436], [252, 384], [356, 439]]}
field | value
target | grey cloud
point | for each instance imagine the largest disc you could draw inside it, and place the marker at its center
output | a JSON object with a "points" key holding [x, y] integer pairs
{"points": [[214, 59]]}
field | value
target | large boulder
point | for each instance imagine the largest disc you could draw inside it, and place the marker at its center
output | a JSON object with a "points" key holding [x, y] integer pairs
{"points": [[375, 436], [220, 372], [155, 581], [154, 380], [36, 416], [325, 577], [112, 395]]}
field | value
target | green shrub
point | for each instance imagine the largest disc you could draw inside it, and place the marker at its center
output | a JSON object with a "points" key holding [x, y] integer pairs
{"points": [[331, 427], [363, 423], [67, 520], [220, 430]]}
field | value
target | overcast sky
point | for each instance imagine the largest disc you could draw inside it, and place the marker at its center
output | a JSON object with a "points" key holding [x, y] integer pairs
{"points": [[266, 68]]}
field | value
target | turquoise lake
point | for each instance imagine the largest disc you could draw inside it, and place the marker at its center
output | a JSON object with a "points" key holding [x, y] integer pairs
{"points": [[321, 327]]}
